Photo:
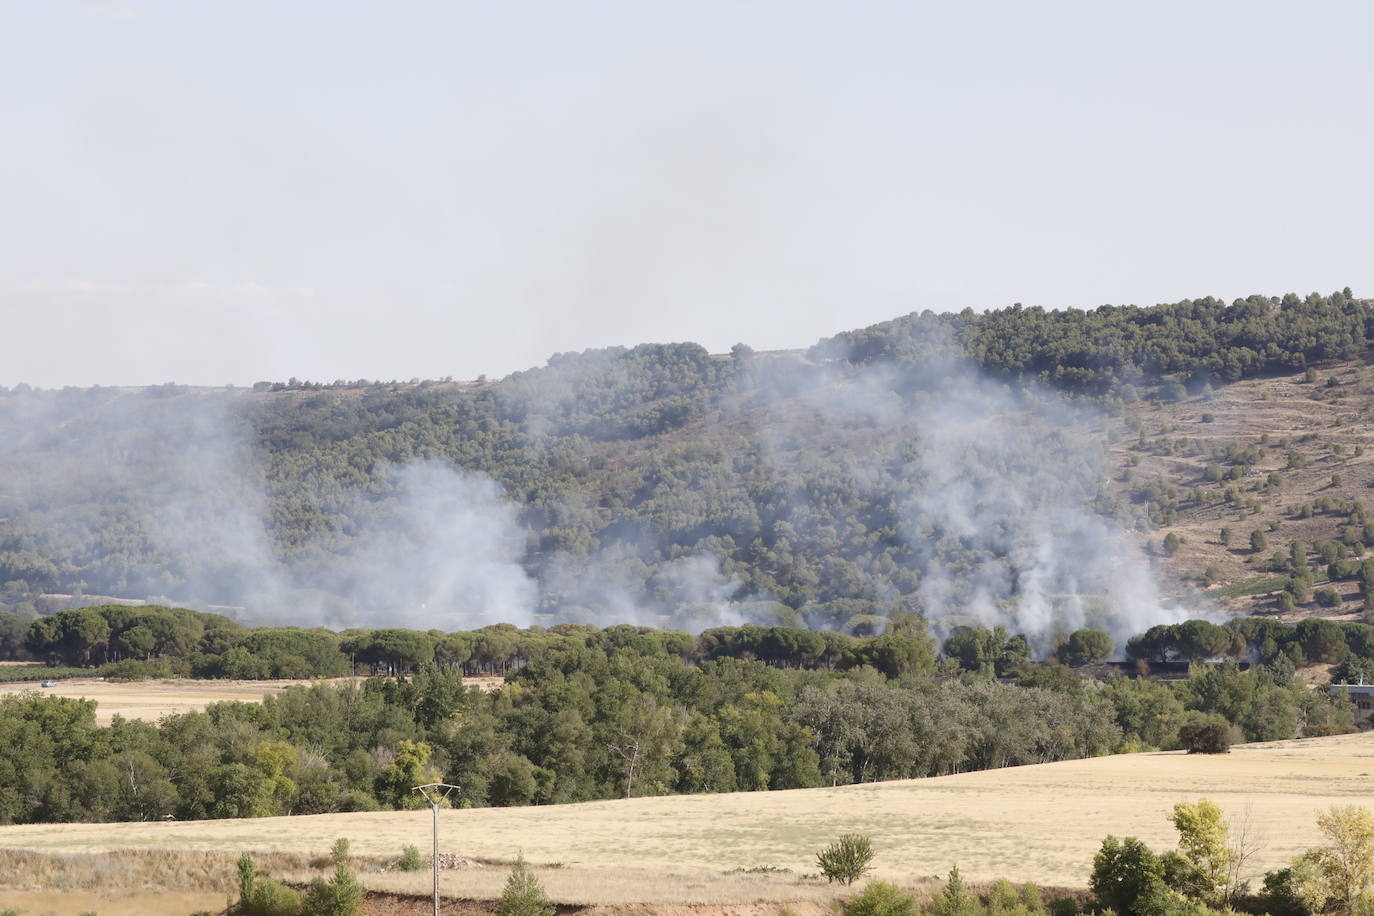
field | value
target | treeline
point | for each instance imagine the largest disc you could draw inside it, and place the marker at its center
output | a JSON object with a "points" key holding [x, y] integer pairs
{"points": [[1104, 350], [148, 641], [619, 712]]}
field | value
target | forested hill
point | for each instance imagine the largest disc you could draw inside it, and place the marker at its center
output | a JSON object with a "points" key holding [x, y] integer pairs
{"points": [[948, 463]]}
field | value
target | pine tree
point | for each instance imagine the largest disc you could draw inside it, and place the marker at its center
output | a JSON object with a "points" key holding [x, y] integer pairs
{"points": [[524, 895]]}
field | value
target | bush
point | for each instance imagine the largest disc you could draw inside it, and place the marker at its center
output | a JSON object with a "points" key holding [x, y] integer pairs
{"points": [[1280, 896], [131, 669], [847, 859], [1328, 597], [268, 898], [524, 895], [881, 899], [954, 900], [1124, 871], [339, 896], [410, 859], [1207, 733], [1063, 906], [263, 896], [1003, 898]]}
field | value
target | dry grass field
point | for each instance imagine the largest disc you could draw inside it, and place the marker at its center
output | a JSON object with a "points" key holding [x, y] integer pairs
{"points": [[151, 700], [1040, 823]]}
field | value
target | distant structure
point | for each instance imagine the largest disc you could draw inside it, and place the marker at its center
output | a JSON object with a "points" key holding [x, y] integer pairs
{"points": [[1362, 695]]}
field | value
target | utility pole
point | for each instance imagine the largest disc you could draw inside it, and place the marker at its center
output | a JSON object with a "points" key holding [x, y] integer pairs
{"points": [[435, 793]]}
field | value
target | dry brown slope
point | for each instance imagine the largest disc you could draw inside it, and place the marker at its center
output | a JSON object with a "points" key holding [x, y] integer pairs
{"points": [[1325, 426]]}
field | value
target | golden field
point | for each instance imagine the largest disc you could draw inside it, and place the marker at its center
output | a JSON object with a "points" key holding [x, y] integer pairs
{"points": [[152, 699], [1035, 823]]}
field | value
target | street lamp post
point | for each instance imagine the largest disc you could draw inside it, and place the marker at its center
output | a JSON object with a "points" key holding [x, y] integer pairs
{"points": [[435, 793]]}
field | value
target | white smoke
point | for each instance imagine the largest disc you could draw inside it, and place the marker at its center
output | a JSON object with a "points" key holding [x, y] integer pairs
{"points": [[993, 489]]}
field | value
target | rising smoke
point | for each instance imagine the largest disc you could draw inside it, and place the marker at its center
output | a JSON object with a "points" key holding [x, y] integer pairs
{"points": [[994, 489]]}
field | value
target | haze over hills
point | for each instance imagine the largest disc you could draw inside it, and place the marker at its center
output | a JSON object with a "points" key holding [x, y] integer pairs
{"points": [[1016, 467]]}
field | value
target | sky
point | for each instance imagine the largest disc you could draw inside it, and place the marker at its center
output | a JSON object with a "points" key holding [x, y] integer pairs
{"points": [[226, 192]]}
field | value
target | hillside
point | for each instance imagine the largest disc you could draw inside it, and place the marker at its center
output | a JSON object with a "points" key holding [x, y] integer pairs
{"points": [[1033, 823], [1301, 449], [970, 467]]}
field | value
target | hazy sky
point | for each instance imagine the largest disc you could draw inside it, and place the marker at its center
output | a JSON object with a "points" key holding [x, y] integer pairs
{"points": [[225, 192]]}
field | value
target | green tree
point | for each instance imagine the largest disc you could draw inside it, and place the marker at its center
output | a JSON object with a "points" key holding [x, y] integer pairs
{"points": [[1085, 647], [341, 895], [1204, 842], [1341, 872], [954, 899], [523, 894], [409, 768], [847, 859], [1259, 541], [1124, 871]]}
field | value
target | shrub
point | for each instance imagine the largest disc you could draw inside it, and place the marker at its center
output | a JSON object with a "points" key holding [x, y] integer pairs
{"points": [[1207, 733], [263, 896], [1328, 597], [881, 899], [847, 859], [132, 669], [1003, 898], [1124, 871], [269, 898], [524, 895], [954, 900], [410, 859], [1280, 895], [1171, 543], [339, 896], [338, 853]]}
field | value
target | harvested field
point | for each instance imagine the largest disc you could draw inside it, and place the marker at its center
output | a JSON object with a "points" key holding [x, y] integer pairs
{"points": [[151, 700], [1035, 823]]}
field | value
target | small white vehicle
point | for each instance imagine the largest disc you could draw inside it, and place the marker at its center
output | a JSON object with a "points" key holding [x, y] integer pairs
{"points": [[50, 683]]}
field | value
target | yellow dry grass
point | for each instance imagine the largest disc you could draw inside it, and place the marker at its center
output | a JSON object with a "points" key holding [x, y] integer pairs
{"points": [[151, 700], [1036, 823], [149, 903]]}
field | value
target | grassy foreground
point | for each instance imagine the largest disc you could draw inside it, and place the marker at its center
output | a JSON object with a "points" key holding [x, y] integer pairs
{"points": [[1035, 823]]}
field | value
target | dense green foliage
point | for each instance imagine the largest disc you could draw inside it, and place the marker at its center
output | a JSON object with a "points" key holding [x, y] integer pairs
{"points": [[624, 711], [1114, 346]]}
